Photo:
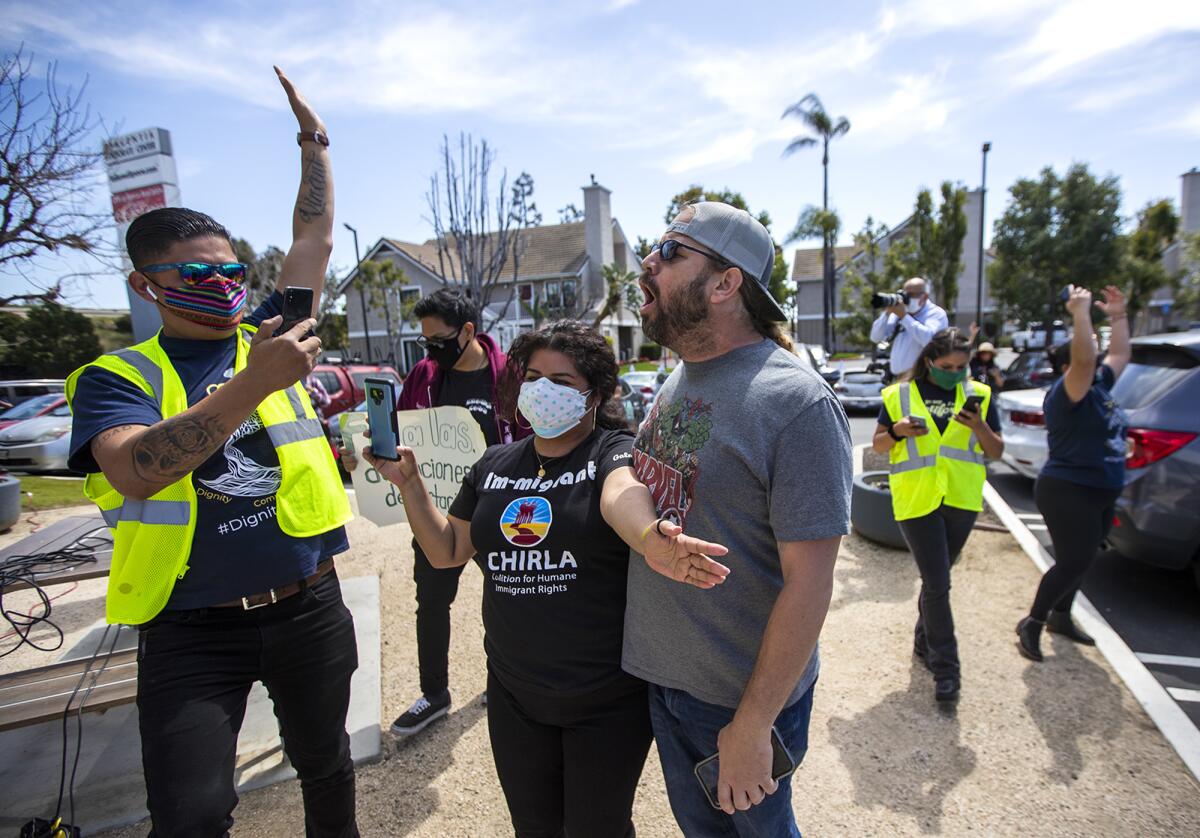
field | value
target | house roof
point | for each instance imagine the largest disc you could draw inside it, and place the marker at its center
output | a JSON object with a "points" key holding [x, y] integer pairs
{"points": [[807, 261], [549, 250]]}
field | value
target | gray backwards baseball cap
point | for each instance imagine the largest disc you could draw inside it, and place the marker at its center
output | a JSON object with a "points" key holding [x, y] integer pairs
{"points": [[738, 238]]}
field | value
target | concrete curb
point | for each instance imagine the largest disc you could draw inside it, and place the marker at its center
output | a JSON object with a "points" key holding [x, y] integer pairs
{"points": [[1153, 696]]}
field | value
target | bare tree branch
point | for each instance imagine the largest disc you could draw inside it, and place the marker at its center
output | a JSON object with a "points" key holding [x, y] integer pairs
{"points": [[47, 165]]}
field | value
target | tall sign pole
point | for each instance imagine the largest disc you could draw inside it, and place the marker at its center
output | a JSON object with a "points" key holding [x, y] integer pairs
{"points": [[141, 177], [979, 268]]}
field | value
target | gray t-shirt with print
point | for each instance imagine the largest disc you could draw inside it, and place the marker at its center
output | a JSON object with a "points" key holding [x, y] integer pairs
{"points": [[747, 450]]}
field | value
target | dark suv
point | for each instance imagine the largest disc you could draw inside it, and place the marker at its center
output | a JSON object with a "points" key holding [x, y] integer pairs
{"points": [[1158, 514]]}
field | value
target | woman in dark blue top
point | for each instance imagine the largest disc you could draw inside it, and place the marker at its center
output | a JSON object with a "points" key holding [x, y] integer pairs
{"points": [[1078, 487]]}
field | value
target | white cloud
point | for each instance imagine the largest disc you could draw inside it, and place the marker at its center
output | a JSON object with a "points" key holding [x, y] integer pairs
{"points": [[726, 150], [1080, 31]]}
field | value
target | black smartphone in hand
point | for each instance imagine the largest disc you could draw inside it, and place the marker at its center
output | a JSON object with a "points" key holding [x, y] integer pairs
{"points": [[973, 403], [297, 307], [917, 421], [381, 417], [708, 770]]}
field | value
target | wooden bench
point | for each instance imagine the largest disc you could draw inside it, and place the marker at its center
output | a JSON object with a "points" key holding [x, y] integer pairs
{"points": [[58, 536], [41, 694]]}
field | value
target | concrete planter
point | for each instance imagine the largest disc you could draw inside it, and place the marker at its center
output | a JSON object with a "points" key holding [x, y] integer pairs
{"points": [[10, 501], [871, 510]]}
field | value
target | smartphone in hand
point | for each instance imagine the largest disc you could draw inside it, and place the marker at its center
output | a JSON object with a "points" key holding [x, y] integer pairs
{"points": [[917, 422], [707, 770], [973, 403], [297, 306], [381, 417]]}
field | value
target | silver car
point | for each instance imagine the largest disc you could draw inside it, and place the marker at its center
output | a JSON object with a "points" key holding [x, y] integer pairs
{"points": [[41, 444], [1023, 425], [860, 390]]}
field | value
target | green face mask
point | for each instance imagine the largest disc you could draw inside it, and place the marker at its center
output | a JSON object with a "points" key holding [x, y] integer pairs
{"points": [[946, 379]]}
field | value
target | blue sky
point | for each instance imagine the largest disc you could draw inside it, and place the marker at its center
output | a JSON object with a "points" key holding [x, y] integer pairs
{"points": [[650, 96]]}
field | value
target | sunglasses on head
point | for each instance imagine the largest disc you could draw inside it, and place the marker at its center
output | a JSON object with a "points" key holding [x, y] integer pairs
{"points": [[667, 249], [193, 272], [438, 343]]}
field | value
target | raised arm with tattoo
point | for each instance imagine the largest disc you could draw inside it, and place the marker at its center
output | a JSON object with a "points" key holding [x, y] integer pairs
{"points": [[312, 221]]}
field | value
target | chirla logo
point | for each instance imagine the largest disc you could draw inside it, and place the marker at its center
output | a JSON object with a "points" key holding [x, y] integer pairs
{"points": [[526, 521]]}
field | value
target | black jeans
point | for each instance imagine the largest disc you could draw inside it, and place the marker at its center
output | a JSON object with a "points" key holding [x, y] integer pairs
{"points": [[195, 670], [436, 589], [936, 540], [569, 766], [1078, 518]]}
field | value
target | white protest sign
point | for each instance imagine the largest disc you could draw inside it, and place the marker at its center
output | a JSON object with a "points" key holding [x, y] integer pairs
{"points": [[446, 442]]}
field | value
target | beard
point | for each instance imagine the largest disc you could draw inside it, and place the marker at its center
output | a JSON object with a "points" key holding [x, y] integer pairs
{"points": [[679, 325]]}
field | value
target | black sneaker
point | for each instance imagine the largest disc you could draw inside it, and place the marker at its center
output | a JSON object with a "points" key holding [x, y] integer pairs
{"points": [[425, 710]]}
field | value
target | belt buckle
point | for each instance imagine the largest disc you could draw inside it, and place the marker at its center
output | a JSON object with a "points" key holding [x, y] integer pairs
{"points": [[246, 606]]}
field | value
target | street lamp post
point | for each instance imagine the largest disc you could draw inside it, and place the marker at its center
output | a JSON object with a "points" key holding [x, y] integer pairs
{"points": [[979, 268], [362, 294]]}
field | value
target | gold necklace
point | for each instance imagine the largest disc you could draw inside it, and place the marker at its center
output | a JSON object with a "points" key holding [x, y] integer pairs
{"points": [[541, 465]]}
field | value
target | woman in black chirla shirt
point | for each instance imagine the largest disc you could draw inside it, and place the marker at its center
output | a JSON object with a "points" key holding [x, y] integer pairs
{"points": [[550, 521]]}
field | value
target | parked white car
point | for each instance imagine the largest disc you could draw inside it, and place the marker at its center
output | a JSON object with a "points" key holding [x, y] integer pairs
{"points": [[1033, 336], [1023, 425], [41, 444]]}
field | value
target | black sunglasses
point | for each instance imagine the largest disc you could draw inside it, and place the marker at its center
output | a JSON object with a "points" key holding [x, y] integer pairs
{"points": [[438, 343], [667, 249]]}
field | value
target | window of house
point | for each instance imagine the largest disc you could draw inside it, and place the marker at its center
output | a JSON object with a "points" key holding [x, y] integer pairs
{"points": [[408, 299], [568, 293], [553, 295], [525, 292]]}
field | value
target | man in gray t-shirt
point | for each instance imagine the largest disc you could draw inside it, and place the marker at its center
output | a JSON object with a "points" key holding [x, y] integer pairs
{"points": [[746, 446]]}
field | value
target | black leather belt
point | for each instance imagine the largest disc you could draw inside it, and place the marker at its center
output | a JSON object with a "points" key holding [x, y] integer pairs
{"points": [[248, 603]]}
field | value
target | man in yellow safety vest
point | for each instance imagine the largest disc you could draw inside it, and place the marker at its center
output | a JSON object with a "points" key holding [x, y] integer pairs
{"points": [[208, 463]]}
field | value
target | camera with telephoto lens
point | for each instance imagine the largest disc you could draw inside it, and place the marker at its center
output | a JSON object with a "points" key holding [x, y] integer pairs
{"points": [[900, 298]]}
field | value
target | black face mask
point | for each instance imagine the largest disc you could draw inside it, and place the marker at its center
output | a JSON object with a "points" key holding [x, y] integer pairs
{"points": [[447, 355]]}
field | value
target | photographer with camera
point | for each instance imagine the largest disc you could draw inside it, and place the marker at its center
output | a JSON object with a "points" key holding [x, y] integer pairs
{"points": [[938, 425], [909, 320]]}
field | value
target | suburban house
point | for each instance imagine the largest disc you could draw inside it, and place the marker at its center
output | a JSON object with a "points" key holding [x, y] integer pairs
{"points": [[559, 273], [807, 276]]}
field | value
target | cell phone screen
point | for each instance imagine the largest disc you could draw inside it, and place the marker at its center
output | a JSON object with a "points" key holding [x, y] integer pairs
{"points": [[381, 417], [297, 306], [973, 403], [708, 770]]}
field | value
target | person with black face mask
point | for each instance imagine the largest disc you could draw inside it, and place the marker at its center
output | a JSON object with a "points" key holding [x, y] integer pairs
{"points": [[461, 368]]}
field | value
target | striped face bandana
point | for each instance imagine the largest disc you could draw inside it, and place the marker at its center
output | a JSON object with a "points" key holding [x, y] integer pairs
{"points": [[216, 302]]}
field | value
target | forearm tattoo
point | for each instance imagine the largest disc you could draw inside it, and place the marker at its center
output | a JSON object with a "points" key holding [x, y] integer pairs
{"points": [[174, 448], [311, 204]]}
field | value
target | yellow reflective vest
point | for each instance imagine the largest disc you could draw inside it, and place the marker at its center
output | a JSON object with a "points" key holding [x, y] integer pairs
{"points": [[152, 538], [939, 467]]}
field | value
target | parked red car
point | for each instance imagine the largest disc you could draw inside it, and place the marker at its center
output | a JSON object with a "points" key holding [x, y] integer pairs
{"points": [[344, 384], [31, 409]]}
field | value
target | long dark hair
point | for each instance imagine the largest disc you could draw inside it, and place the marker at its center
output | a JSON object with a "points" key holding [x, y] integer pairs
{"points": [[946, 342], [589, 353]]}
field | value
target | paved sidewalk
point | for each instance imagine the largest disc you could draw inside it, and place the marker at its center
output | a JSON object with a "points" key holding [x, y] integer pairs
{"points": [[1059, 748]]}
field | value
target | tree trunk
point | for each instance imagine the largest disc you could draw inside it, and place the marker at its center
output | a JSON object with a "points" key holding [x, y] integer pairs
{"points": [[826, 271]]}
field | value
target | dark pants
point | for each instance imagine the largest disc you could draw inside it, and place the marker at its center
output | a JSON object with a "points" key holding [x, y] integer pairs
{"points": [[936, 540], [686, 729], [436, 589], [195, 670], [1078, 518], [569, 766]]}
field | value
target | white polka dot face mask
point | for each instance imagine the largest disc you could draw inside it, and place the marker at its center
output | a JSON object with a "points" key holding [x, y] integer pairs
{"points": [[552, 409]]}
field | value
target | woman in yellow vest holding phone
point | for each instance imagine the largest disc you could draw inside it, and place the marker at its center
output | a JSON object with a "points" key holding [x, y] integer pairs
{"points": [[938, 427]]}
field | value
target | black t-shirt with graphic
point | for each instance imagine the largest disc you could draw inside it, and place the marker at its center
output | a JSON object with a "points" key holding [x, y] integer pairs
{"points": [[472, 390], [940, 404], [555, 572], [238, 548]]}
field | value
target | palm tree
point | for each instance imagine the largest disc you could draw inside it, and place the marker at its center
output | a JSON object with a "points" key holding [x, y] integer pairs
{"points": [[811, 112]]}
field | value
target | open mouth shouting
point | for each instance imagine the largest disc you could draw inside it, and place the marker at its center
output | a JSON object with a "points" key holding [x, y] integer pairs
{"points": [[649, 291]]}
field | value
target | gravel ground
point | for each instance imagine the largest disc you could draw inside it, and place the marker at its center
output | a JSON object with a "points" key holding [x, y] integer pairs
{"points": [[1060, 748]]}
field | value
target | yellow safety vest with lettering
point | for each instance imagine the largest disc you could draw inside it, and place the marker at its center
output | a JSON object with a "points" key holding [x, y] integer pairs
{"points": [[939, 467], [152, 538]]}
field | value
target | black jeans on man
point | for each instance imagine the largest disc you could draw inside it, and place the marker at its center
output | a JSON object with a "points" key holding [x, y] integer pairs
{"points": [[195, 671], [436, 590], [936, 540]]}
